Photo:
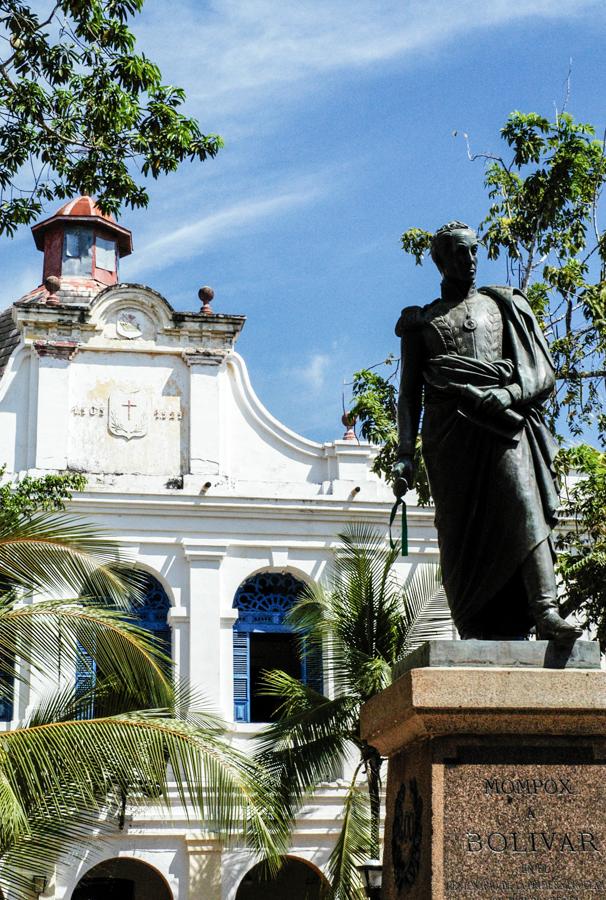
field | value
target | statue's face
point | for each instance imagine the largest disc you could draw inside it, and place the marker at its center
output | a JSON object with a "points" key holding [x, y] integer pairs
{"points": [[459, 256]]}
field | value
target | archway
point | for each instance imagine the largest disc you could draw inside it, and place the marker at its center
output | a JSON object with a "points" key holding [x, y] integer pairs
{"points": [[297, 880], [122, 878]]}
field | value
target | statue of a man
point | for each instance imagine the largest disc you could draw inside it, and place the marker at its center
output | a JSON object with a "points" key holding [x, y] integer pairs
{"points": [[477, 362]]}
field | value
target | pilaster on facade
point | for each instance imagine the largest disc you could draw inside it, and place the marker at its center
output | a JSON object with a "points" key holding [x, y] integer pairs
{"points": [[52, 412], [205, 616], [349, 463], [206, 412], [205, 864]]}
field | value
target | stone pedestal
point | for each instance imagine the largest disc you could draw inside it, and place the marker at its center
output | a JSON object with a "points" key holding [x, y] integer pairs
{"points": [[497, 773]]}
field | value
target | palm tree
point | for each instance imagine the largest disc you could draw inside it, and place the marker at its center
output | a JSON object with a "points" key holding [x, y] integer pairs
{"points": [[364, 621], [68, 771]]}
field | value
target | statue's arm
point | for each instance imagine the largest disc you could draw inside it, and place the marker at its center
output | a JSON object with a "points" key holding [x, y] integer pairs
{"points": [[534, 379], [411, 385]]}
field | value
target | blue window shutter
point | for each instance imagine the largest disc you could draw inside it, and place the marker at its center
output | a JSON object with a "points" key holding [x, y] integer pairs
{"points": [[312, 670], [7, 692], [151, 615], [86, 679], [241, 676]]}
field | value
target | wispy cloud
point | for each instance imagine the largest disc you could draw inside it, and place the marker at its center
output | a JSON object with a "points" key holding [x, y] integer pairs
{"points": [[317, 378], [186, 241], [235, 54], [244, 63], [313, 373]]}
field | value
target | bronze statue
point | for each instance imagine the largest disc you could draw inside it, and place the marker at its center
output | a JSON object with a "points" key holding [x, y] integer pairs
{"points": [[477, 362]]}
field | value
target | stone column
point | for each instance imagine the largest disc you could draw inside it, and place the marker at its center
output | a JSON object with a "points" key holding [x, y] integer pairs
{"points": [[497, 767], [52, 415], [204, 867], [205, 618]]}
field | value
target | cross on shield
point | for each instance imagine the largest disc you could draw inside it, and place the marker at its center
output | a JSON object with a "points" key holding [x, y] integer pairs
{"points": [[128, 414]]}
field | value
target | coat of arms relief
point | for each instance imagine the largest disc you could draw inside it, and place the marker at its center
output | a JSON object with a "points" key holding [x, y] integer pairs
{"points": [[128, 324], [128, 414]]}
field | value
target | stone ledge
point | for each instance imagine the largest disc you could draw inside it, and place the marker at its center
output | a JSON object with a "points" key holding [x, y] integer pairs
{"points": [[433, 702], [501, 654]]}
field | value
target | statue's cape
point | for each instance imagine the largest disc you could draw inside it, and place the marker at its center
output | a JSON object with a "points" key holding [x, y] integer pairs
{"points": [[496, 498], [532, 360]]}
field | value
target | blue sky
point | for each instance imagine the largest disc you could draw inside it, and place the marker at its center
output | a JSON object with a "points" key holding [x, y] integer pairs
{"points": [[338, 118]]}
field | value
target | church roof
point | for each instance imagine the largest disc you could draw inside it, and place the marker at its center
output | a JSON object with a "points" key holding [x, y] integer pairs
{"points": [[70, 290], [83, 206], [9, 338], [84, 209]]}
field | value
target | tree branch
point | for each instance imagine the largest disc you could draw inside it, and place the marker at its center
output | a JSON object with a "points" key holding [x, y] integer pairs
{"points": [[580, 376], [7, 62]]}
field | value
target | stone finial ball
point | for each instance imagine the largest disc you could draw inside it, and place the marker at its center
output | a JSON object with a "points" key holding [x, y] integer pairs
{"points": [[52, 284], [206, 294]]}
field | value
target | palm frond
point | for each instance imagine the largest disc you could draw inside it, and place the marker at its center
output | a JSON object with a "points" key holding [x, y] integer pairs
{"points": [[310, 740], [364, 620], [352, 844], [58, 554], [65, 774], [427, 614], [57, 633], [357, 617]]}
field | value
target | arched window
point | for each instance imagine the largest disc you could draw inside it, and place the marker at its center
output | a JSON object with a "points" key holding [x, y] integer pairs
{"points": [[264, 640], [150, 613]]}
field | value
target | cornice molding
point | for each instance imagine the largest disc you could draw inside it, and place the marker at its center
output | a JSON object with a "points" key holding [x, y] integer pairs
{"points": [[65, 350], [204, 357], [201, 551]]}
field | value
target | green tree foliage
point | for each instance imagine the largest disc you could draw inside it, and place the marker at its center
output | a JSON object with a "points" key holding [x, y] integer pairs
{"points": [[543, 221], [363, 620], [81, 112], [375, 399], [32, 495], [582, 543], [69, 771]]}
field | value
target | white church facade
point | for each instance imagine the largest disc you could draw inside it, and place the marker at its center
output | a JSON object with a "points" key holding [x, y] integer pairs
{"points": [[225, 509]]}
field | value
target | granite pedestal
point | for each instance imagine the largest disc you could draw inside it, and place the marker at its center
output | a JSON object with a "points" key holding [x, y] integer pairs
{"points": [[496, 781]]}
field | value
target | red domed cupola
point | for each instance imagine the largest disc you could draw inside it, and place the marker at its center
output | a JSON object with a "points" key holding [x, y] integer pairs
{"points": [[81, 242]]}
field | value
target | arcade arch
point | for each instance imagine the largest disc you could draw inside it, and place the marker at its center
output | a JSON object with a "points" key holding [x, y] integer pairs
{"points": [[122, 878], [297, 879]]}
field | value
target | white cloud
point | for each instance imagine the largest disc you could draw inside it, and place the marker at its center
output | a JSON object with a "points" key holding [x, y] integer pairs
{"points": [[313, 373], [237, 55], [187, 240], [243, 62]]}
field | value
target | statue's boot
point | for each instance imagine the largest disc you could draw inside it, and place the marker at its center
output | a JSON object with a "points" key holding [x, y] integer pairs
{"points": [[539, 580]]}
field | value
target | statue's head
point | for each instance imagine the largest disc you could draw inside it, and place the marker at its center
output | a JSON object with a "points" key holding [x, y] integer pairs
{"points": [[453, 249]]}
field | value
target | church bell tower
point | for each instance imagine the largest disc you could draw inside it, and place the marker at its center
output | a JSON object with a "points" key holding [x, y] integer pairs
{"points": [[82, 247]]}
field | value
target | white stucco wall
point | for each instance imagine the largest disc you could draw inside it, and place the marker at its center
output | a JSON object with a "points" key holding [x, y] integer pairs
{"points": [[202, 499]]}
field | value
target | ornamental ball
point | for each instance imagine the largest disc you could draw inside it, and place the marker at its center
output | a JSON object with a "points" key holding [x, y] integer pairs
{"points": [[206, 294]]}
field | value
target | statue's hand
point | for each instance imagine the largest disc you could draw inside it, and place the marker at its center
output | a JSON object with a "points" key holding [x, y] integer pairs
{"points": [[403, 474], [495, 400]]}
